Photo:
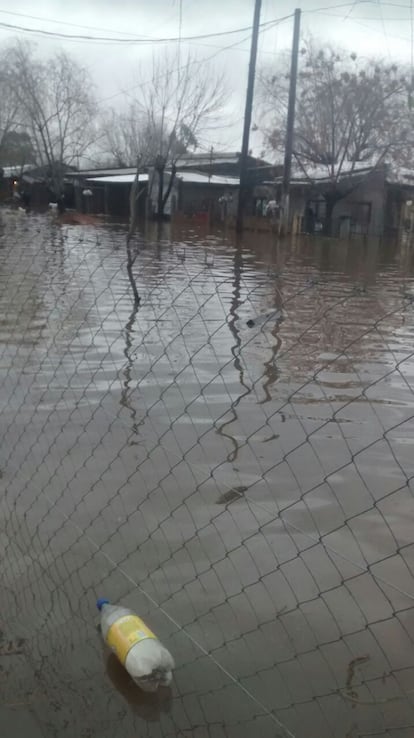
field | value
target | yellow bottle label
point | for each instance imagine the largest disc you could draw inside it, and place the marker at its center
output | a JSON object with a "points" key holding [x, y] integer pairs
{"points": [[125, 633]]}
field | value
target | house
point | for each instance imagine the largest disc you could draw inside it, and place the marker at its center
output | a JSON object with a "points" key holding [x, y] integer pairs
{"points": [[228, 164], [372, 204], [107, 191], [204, 183], [198, 195], [34, 185], [38, 187], [192, 193], [10, 180], [209, 183]]}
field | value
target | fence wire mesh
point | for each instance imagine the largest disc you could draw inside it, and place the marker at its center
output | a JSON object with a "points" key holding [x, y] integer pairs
{"points": [[233, 459]]}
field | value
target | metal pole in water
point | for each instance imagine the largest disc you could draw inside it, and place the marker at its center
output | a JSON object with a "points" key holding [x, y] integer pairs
{"points": [[290, 123], [248, 116]]}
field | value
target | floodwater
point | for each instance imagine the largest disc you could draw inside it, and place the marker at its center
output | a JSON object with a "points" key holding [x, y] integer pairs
{"points": [[234, 460]]}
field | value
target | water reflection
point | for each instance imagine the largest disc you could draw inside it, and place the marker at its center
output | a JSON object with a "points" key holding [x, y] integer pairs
{"points": [[149, 707], [289, 577], [127, 393], [235, 349]]}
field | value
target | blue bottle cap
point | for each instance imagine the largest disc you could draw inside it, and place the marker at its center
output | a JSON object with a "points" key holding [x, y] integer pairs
{"points": [[101, 602]]}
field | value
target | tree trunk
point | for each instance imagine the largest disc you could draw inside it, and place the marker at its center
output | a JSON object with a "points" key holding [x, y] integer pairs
{"points": [[330, 205], [133, 206], [169, 188], [160, 207]]}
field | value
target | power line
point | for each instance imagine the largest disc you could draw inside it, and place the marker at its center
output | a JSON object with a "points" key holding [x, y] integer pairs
{"points": [[350, 5], [357, 18], [384, 29], [64, 23], [131, 40], [412, 39], [148, 40], [140, 85], [375, 30], [351, 9]]}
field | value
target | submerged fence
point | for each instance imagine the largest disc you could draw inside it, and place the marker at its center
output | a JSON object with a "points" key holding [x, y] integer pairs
{"points": [[233, 458]]}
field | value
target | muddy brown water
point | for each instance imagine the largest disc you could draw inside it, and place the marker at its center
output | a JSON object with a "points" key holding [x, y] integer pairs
{"points": [[234, 460]]}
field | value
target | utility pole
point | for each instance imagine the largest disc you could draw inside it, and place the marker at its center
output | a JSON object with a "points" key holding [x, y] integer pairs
{"points": [[287, 169], [211, 163], [248, 116]]}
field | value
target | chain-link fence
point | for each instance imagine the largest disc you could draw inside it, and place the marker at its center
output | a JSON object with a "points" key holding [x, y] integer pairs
{"points": [[233, 459]]}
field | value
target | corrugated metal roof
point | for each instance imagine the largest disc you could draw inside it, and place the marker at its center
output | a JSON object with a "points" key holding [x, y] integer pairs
{"points": [[215, 157], [98, 173], [188, 177], [119, 179], [320, 175], [401, 176], [214, 179], [16, 171]]}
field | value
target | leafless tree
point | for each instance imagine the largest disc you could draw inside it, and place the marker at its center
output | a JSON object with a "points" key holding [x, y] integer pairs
{"points": [[168, 113], [56, 100], [350, 114], [134, 196], [10, 118], [126, 135]]}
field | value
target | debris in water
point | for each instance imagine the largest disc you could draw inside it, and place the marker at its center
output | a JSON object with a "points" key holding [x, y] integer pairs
{"points": [[276, 315], [146, 660], [360, 289], [233, 494]]}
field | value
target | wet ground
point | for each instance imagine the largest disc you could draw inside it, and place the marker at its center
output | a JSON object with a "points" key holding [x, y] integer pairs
{"points": [[233, 460]]}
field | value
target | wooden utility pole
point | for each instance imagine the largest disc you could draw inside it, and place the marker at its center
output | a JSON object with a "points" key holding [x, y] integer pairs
{"points": [[287, 169], [248, 116]]}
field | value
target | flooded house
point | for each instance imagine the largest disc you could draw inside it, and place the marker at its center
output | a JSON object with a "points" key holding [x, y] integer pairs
{"points": [[371, 201], [106, 190], [204, 183]]}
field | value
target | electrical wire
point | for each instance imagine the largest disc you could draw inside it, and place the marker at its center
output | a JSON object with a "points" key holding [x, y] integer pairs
{"points": [[131, 40], [384, 30], [410, 93], [406, 39], [180, 29], [148, 40], [352, 4], [65, 23], [351, 9], [412, 39], [83, 26], [140, 85]]}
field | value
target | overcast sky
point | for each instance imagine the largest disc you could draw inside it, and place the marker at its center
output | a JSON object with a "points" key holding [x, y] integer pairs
{"points": [[369, 28]]}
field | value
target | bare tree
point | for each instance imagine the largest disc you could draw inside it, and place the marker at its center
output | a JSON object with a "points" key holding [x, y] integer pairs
{"points": [[169, 112], [16, 149], [10, 118], [350, 114], [126, 136], [134, 196], [55, 97]]}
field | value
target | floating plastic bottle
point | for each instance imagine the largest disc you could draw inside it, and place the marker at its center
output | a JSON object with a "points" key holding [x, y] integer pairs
{"points": [[146, 660]]}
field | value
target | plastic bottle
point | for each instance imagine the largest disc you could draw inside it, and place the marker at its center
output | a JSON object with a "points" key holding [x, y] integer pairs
{"points": [[147, 661]]}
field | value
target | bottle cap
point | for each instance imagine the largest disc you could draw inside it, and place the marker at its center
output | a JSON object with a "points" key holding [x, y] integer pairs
{"points": [[101, 602]]}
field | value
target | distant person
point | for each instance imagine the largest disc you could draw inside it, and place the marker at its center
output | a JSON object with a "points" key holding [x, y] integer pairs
{"points": [[310, 220], [225, 202], [60, 201], [272, 208], [25, 198]]}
